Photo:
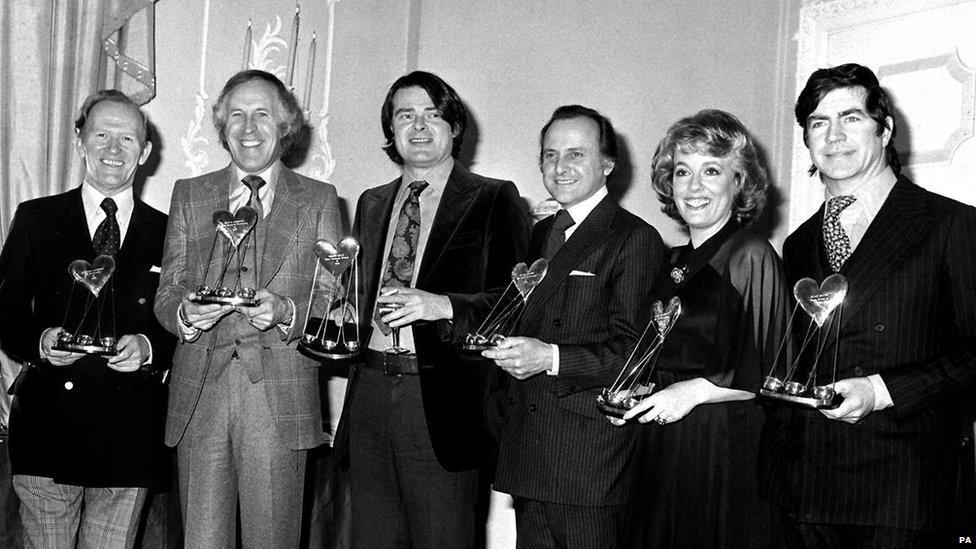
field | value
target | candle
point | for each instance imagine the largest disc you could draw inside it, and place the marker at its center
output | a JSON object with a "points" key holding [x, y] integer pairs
{"points": [[246, 63], [307, 102], [202, 89], [293, 49], [328, 60]]}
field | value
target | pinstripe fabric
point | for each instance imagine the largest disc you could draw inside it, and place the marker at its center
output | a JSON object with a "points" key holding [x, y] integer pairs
{"points": [[556, 446], [910, 316]]}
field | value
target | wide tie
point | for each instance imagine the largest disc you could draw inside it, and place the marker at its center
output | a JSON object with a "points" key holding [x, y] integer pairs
{"points": [[403, 251], [108, 236], [557, 233], [835, 238], [254, 182]]}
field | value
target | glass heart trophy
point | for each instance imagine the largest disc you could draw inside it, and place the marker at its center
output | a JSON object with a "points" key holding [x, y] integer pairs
{"points": [[233, 232], [823, 303], [332, 322], [507, 311], [91, 333], [633, 384]]}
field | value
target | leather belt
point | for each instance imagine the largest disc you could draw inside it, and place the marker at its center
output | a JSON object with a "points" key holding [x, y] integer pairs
{"points": [[392, 365]]}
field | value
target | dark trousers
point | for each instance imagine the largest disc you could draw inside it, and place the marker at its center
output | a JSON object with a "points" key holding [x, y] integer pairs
{"points": [[540, 524], [832, 536], [401, 496]]}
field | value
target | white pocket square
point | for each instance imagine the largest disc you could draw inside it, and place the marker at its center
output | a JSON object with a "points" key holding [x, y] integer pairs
{"points": [[155, 269], [581, 273]]}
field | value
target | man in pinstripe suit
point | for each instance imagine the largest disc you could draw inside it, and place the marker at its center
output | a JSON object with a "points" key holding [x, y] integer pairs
{"points": [[567, 467], [880, 468]]}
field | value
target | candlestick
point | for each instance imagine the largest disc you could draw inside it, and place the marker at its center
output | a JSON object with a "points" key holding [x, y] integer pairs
{"points": [[328, 60], [246, 63], [307, 102], [293, 49]]}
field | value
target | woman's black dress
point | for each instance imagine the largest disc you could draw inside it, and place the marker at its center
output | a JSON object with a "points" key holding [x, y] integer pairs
{"points": [[698, 484]]}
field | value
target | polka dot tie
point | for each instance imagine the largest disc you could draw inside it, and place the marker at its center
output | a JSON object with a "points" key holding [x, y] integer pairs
{"points": [[403, 251], [837, 241], [108, 236]]}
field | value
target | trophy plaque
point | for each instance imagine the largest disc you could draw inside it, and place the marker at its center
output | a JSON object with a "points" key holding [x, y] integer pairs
{"points": [[332, 325], [634, 383], [507, 311], [89, 334], [823, 303], [235, 233]]}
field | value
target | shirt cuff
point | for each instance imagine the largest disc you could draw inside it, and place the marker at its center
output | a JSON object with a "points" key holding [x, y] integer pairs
{"points": [[149, 356], [188, 332], [554, 371], [287, 326], [882, 398]]}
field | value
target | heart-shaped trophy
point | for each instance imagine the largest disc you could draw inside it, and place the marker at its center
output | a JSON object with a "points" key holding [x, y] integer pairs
{"points": [[819, 301], [634, 383], [508, 309], [235, 228], [332, 323], [93, 277]]}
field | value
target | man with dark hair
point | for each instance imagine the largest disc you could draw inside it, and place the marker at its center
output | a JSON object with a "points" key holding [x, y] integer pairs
{"points": [[568, 468], [86, 431], [879, 469], [439, 244], [244, 405]]}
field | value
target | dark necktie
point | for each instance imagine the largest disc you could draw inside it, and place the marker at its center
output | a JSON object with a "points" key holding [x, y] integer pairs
{"points": [[108, 236], [557, 233], [254, 182], [403, 251], [836, 239]]}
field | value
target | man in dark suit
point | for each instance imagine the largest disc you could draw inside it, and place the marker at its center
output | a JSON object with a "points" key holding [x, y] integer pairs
{"points": [[439, 244], [566, 466], [86, 429], [244, 405], [879, 469]]}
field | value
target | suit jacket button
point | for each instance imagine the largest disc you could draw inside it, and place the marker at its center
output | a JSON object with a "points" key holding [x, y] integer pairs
{"points": [[511, 400], [237, 342], [557, 323], [879, 328], [68, 385], [243, 268], [859, 371], [533, 407]]}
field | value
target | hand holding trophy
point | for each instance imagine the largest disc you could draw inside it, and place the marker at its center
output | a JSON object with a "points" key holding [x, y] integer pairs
{"points": [[237, 230], [634, 383], [823, 303], [507, 311]]}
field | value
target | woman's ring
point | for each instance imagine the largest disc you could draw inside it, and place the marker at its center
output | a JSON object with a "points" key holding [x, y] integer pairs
{"points": [[661, 420]]}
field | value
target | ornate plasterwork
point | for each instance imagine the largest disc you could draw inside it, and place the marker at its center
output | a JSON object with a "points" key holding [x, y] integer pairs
{"points": [[196, 148]]}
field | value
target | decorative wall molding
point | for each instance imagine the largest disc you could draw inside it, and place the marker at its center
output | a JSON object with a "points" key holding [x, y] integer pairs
{"points": [[196, 149]]}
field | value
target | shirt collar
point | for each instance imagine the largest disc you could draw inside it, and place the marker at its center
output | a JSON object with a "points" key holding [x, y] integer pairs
{"points": [[436, 178], [92, 200], [269, 175], [581, 210], [871, 194]]}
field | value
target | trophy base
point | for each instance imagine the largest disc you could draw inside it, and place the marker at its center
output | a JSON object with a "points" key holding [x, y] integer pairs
{"points": [[90, 349], [803, 401], [233, 300], [339, 352], [616, 410]]}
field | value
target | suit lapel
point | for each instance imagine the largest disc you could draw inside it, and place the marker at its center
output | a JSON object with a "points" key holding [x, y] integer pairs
{"points": [[455, 204], [810, 260], [892, 236], [376, 214], [130, 266], [593, 232], [288, 213]]}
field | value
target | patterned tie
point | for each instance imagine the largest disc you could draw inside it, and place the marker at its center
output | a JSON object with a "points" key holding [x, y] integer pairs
{"points": [[557, 234], [403, 251], [254, 182], [108, 236], [838, 244]]}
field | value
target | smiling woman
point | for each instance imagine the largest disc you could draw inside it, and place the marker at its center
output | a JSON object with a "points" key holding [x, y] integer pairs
{"points": [[698, 483]]}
